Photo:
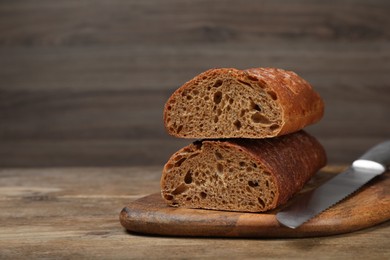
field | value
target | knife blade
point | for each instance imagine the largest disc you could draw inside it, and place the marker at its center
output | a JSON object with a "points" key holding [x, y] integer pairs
{"points": [[371, 164]]}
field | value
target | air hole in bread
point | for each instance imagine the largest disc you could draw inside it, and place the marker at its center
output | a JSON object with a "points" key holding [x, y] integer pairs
{"points": [[242, 164], [179, 162], [216, 119], [261, 202], [203, 195], [274, 127], [168, 166], [189, 97], [231, 101], [253, 183], [168, 197], [219, 168], [255, 106], [169, 107], [218, 83], [245, 83], [218, 155], [217, 97], [260, 119], [180, 189], [273, 95], [237, 124], [188, 177], [179, 129], [195, 92], [242, 112], [193, 155]]}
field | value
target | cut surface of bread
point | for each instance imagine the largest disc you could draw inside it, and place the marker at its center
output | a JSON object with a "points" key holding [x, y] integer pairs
{"points": [[248, 175], [232, 103]]}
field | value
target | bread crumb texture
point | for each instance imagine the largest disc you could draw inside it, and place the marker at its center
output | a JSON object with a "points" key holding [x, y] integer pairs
{"points": [[240, 175], [231, 103]]}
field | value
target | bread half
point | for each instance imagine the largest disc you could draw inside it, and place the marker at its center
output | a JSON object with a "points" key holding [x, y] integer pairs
{"points": [[232, 103], [249, 175]]}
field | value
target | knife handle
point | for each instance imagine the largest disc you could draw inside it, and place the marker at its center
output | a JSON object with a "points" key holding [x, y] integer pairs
{"points": [[377, 158]]}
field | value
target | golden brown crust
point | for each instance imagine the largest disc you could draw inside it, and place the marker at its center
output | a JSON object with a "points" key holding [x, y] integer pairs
{"points": [[301, 105], [249, 175], [232, 103], [294, 159]]}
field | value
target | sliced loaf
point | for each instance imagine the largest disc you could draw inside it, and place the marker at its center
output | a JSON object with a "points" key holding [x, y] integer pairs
{"points": [[249, 175], [232, 103]]}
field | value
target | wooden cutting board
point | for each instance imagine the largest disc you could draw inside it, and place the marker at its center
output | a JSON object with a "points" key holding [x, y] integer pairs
{"points": [[367, 207]]}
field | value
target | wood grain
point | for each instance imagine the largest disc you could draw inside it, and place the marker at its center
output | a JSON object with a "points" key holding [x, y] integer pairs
{"points": [[117, 22], [94, 75], [73, 213]]}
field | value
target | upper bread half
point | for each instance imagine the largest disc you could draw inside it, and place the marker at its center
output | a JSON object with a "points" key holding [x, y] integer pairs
{"points": [[232, 103]]}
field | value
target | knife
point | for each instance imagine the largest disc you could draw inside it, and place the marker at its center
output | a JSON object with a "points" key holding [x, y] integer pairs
{"points": [[371, 164]]}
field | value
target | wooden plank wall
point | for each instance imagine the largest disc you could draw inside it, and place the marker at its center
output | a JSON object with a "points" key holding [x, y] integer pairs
{"points": [[83, 83]]}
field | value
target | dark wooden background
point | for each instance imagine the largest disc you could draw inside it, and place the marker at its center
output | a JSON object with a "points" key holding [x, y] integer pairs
{"points": [[83, 83]]}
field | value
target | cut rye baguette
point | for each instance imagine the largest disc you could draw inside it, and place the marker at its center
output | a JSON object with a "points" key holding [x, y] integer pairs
{"points": [[232, 103], [248, 175]]}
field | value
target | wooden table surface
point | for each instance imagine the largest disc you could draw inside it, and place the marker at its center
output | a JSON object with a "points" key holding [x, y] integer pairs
{"points": [[73, 213]]}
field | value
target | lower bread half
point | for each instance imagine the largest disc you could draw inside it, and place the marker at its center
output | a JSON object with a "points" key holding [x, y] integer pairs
{"points": [[248, 175]]}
